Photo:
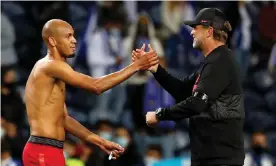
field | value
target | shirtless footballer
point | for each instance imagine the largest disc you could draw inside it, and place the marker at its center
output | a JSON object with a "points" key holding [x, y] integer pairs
{"points": [[45, 97]]}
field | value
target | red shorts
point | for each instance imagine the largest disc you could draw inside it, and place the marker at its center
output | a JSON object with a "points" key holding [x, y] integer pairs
{"points": [[43, 153]]}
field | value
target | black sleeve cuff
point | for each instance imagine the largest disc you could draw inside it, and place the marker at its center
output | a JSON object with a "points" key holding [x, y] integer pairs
{"points": [[160, 73], [166, 114], [187, 108], [163, 114]]}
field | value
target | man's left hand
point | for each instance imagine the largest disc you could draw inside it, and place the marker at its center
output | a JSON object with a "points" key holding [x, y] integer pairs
{"points": [[151, 119], [113, 147]]}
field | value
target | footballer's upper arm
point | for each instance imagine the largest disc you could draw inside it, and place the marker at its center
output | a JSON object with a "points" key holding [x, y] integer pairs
{"points": [[62, 71]]}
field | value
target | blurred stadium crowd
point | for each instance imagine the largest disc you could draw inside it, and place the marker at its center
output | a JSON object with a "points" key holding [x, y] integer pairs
{"points": [[107, 32]]}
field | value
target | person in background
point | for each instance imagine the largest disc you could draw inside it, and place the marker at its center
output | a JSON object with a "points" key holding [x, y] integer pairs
{"points": [[258, 155], [124, 137], [104, 56], [267, 24], [12, 104], [153, 154], [104, 129], [6, 155], [12, 135], [242, 37], [8, 52], [172, 15], [71, 155]]}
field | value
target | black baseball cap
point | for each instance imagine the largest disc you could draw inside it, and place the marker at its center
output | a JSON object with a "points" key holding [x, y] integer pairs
{"points": [[209, 17]]}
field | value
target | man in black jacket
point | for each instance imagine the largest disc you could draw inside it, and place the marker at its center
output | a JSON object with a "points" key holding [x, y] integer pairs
{"points": [[211, 97]]}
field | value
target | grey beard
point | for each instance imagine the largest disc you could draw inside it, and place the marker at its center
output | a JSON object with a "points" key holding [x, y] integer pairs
{"points": [[195, 44]]}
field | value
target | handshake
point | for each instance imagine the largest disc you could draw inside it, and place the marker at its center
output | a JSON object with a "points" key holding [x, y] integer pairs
{"points": [[141, 60], [145, 60], [148, 61]]}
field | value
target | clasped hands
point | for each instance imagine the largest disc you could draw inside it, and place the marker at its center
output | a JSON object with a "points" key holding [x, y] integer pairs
{"points": [[153, 59], [143, 61], [151, 119]]}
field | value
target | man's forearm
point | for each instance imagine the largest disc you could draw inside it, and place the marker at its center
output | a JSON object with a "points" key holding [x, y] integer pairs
{"points": [[107, 82], [75, 128], [185, 109], [180, 89]]}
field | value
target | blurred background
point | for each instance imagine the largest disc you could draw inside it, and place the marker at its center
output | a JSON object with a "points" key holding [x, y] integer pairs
{"points": [[107, 32]]}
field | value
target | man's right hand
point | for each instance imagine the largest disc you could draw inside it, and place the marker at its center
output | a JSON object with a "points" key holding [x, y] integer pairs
{"points": [[108, 147], [139, 53]]}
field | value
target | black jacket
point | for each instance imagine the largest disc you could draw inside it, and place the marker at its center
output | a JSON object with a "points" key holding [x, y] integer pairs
{"points": [[216, 126]]}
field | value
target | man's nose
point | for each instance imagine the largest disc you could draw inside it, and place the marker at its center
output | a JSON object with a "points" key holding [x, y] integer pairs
{"points": [[192, 32], [74, 41]]}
